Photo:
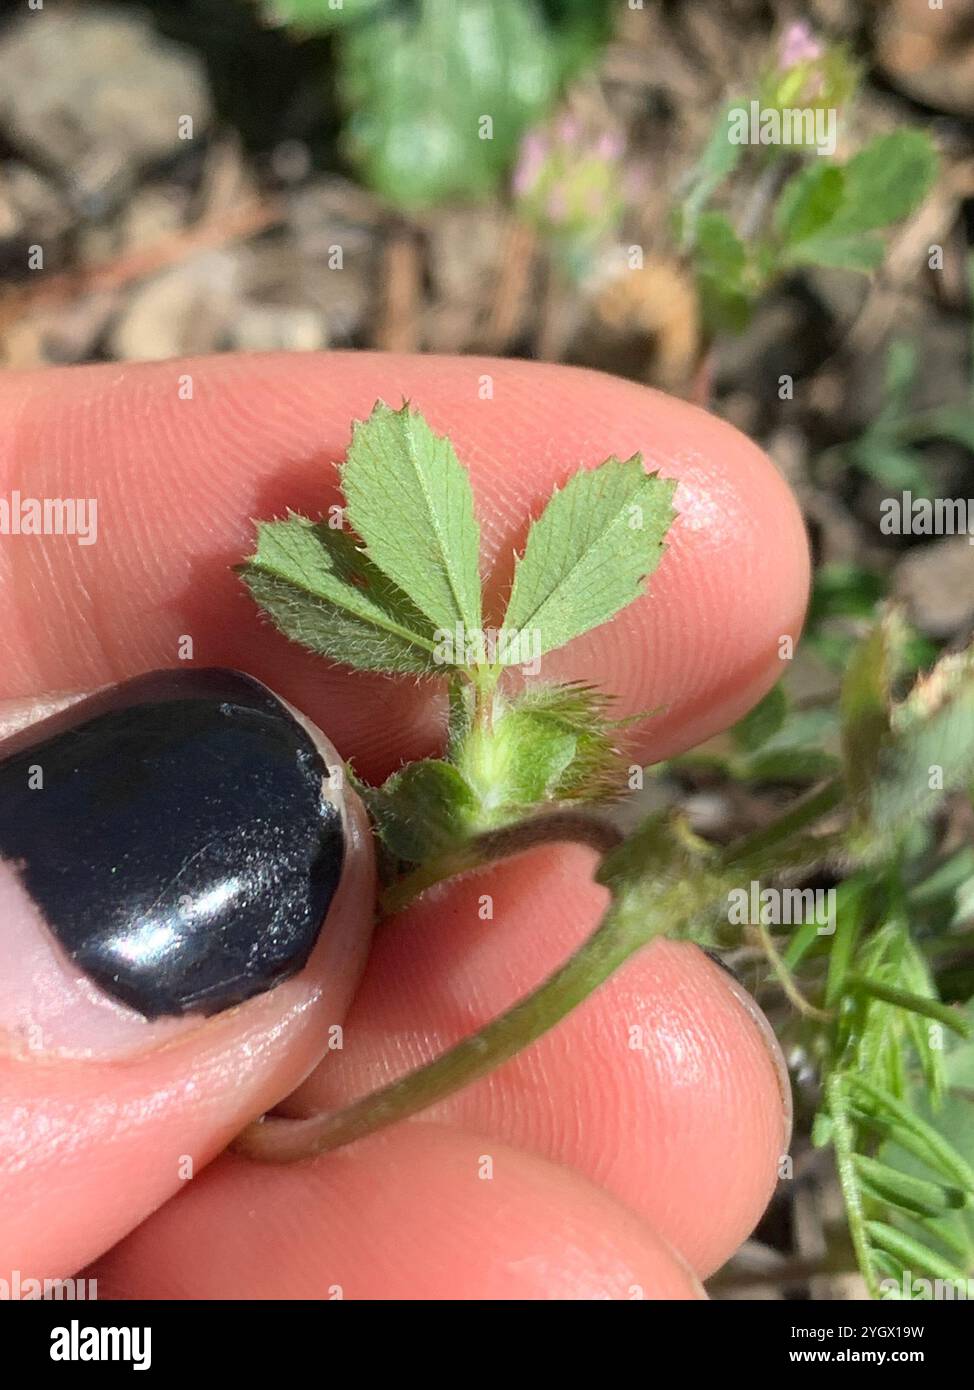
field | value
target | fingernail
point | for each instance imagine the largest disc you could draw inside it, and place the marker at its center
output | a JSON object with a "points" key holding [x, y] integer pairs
{"points": [[172, 843], [770, 1039]]}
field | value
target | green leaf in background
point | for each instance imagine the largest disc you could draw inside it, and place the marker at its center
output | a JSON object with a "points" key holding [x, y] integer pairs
{"points": [[721, 266], [885, 182], [838, 252], [865, 704], [762, 722], [808, 201], [318, 16], [410, 500], [930, 751], [418, 85], [422, 811], [589, 552], [720, 158], [322, 592], [826, 220], [954, 1121]]}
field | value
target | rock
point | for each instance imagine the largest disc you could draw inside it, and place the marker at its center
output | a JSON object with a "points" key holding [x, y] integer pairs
{"points": [[928, 52], [277, 328], [31, 208], [279, 274], [183, 311], [465, 248], [936, 582], [95, 94]]}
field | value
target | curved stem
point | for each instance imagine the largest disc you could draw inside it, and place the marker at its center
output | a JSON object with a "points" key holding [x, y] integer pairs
{"points": [[627, 925], [555, 827], [786, 979], [286, 1141]]}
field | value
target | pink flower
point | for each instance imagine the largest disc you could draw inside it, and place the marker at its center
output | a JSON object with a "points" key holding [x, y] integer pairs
{"points": [[798, 44], [557, 206], [533, 151], [609, 147]]}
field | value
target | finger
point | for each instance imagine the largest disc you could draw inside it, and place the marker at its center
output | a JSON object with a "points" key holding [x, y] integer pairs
{"points": [[665, 1087], [185, 905], [177, 478], [424, 1213]]}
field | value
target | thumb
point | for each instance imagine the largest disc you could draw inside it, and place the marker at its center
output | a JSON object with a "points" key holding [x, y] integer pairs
{"points": [[186, 894]]}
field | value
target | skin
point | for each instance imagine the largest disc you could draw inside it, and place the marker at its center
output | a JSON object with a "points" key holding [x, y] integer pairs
{"points": [[582, 1169]]}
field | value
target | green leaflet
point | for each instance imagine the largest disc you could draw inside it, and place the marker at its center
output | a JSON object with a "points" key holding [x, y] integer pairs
{"points": [[809, 201], [885, 181], [321, 591], [829, 215], [589, 552], [418, 81], [865, 704], [551, 744], [410, 500], [424, 810], [318, 16], [931, 750], [722, 273]]}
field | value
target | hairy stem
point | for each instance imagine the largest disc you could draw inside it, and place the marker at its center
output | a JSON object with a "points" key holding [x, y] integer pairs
{"points": [[553, 827], [631, 921], [285, 1141], [843, 1142]]}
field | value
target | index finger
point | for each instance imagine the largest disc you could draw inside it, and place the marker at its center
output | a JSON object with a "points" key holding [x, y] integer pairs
{"points": [[180, 456]]}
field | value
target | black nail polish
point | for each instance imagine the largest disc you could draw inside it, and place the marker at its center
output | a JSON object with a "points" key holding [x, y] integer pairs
{"points": [[183, 847], [719, 959]]}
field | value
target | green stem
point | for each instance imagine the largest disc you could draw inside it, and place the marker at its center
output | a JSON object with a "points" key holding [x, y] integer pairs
{"points": [[286, 1141], [549, 828], [627, 925], [786, 979], [843, 1143], [770, 837]]}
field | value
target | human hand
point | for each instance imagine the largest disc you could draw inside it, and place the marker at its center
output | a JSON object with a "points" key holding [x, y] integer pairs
{"points": [[613, 1172]]}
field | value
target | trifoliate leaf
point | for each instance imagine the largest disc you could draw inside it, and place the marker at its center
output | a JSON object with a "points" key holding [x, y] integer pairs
{"points": [[322, 591], [829, 216], [589, 552], [411, 502], [422, 811]]}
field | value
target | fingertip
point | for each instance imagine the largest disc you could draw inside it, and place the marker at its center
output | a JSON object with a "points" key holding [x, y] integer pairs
{"points": [[421, 1213]]}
